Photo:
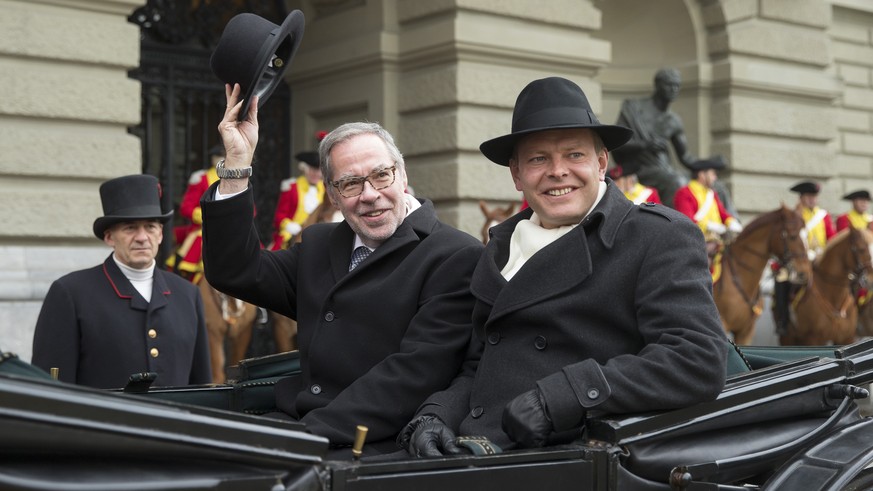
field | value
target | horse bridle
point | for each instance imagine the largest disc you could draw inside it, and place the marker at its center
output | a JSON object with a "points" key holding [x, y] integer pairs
{"points": [[785, 259]]}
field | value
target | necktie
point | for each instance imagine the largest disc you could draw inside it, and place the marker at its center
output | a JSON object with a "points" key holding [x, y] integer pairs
{"points": [[358, 256]]}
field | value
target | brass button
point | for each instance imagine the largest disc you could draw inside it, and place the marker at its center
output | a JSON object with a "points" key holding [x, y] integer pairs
{"points": [[153, 334], [154, 352]]}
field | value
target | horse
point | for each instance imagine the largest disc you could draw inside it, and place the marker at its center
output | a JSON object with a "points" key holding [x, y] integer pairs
{"points": [[826, 311], [285, 328], [737, 293], [494, 217], [228, 320]]}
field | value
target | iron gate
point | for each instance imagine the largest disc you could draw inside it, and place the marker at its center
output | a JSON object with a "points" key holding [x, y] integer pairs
{"points": [[183, 102]]}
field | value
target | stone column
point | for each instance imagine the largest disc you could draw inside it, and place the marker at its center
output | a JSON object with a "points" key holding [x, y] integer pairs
{"points": [[772, 110]]}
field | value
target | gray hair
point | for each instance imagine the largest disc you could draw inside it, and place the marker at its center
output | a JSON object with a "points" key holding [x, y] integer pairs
{"points": [[347, 131]]}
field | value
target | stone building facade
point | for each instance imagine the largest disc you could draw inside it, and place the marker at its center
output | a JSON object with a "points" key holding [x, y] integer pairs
{"points": [[782, 88]]}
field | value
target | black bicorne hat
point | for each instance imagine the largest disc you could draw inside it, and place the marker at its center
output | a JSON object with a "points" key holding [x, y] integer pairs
{"points": [[716, 163], [552, 103], [860, 194], [806, 187], [129, 198], [254, 53], [309, 158]]}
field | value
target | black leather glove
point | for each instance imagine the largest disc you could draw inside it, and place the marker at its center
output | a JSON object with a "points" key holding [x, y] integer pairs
{"points": [[526, 420], [428, 436]]}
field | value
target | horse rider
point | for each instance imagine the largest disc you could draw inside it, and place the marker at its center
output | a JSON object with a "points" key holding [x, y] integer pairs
{"points": [[819, 227], [699, 202], [187, 260], [298, 198], [858, 216]]}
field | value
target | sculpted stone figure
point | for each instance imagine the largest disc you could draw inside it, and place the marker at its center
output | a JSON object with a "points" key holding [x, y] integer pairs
{"points": [[656, 127]]}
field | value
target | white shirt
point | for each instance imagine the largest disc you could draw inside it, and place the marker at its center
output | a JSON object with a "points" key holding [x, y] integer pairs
{"points": [[141, 279]]}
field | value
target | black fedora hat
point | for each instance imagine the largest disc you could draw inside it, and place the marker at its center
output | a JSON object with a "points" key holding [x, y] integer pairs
{"points": [[255, 52], [308, 158], [860, 194], [806, 187], [128, 198], [551, 103]]}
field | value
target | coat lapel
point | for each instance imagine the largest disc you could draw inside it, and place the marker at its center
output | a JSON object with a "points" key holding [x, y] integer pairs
{"points": [[560, 266]]}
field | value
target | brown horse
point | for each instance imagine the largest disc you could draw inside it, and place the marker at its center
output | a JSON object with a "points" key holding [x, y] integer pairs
{"points": [[737, 292], [285, 328], [493, 217], [826, 311], [228, 320]]}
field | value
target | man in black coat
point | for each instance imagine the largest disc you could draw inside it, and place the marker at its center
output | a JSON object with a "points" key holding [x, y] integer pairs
{"points": [[100, 325], [584, 302], [382, 299]]}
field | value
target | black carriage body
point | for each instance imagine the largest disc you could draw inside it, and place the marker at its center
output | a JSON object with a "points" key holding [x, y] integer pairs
{"points": [[791, 423]]}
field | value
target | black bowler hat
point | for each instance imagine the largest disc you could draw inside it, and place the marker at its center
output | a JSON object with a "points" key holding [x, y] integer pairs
{"points": [[716, 163], [860, 194], [806, 187], [254, 53], [552, 103], [308, 158], [129, 198]]}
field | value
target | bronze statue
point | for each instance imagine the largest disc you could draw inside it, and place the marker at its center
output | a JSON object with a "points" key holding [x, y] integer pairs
{"points": [[656, 127]]}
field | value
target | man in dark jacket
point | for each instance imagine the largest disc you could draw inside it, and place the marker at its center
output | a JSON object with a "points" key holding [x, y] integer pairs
{"points": [[100, 325], [382, 299], [584, 302]]}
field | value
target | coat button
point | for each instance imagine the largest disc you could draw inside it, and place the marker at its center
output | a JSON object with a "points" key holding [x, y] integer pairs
{"points": [[329, 316], [593, 393], [494, 338], [315, 389], [540, 343], [477, 412], [153, 334], [153, 352]]}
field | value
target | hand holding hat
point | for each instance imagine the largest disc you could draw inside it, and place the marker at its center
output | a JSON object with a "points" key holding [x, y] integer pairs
{"points": [[240, 137]]}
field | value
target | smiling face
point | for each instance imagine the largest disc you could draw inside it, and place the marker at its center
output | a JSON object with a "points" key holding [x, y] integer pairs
{"points": [[559, 172], [135, 243], [375, 214]]}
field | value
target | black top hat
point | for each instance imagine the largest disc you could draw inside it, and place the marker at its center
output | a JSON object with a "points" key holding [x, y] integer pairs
{"points": [[129, 198], [552, 103], [860, 194], [716, 163], [308, 158], [254, 53], [806, 187]]}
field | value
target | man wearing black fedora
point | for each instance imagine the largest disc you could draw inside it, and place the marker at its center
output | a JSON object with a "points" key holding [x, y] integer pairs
{"points": [[585, 301], [100, 325]]}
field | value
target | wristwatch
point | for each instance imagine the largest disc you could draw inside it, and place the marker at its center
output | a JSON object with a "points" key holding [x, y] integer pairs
{"points": [[232, 173]]}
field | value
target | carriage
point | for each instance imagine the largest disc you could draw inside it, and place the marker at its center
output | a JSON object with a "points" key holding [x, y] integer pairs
{"points": [[789, 418]]}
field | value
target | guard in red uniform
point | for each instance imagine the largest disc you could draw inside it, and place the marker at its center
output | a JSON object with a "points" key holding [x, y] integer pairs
{"points": [[699, 202], [819, 227], [298, 197], [187, 260], [858, 216]]}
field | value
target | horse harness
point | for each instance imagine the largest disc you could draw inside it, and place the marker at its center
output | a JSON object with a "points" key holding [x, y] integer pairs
{"points": [[784, 259], [857, 279]]}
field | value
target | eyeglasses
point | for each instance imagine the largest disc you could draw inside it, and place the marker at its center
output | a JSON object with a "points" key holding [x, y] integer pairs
{"points": [[349, 187]]}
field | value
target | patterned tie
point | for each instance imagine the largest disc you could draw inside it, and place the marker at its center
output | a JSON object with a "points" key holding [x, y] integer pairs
{"points": [[358, 256]]}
